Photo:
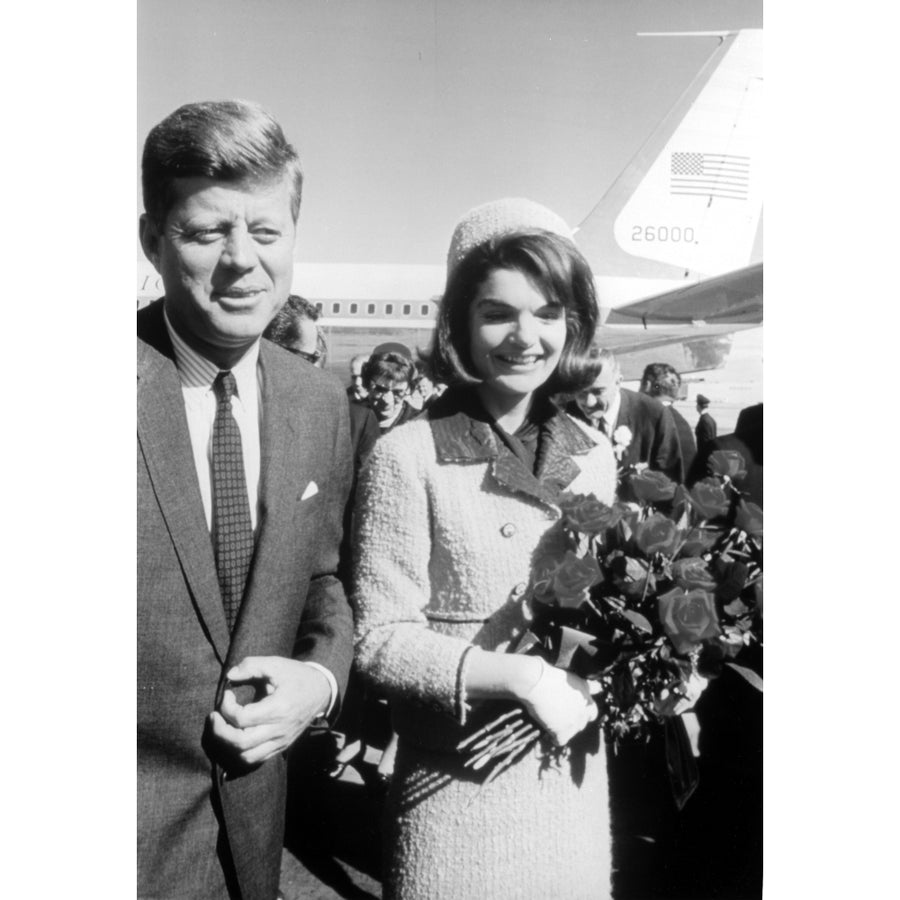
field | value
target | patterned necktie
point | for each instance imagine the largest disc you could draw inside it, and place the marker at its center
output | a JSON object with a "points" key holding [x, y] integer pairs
{"points": [[232, 529], [601, 425]]}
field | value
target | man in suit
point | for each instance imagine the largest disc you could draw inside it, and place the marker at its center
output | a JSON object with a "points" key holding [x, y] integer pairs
{"points": [[640, 429], [662, 382], [244, 467], [706, 424]]}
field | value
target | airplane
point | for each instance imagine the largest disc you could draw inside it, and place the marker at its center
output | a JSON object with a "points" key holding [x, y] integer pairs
{"points": [[675, 244]]}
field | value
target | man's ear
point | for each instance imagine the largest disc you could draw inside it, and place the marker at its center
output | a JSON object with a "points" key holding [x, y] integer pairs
{"points": [[149, 235]]}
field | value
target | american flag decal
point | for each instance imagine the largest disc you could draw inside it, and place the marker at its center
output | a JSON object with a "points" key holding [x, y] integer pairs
{"points": [[710, 175]]}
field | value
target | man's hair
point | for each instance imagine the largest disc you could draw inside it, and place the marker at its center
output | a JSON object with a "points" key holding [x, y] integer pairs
{"points": [[393, 366], [660, 380], [360, 358], [284, 329], [554, 266], [600, 360], [229, 140]]}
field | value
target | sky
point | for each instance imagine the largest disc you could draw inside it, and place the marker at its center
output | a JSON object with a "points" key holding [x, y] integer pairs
{"points": [[406, 113]]}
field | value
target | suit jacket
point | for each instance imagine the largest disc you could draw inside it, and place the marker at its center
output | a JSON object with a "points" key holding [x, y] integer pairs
{"points": [[654, 439], [705, 430], [202, 833], [686, 441]]}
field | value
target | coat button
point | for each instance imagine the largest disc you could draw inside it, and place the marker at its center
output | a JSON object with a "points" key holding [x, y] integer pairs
{"points": [[508, 530]]}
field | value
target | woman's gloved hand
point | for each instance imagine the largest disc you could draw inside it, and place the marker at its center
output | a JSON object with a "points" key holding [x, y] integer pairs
{"points": [[561, 703]]}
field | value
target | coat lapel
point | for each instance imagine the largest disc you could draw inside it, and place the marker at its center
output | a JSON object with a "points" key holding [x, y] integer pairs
{"points": [[557, 466], [459, 437], [166, 447]]}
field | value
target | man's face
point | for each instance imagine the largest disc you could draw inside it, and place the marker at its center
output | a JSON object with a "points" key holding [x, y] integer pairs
{"points": [[596, 400], [356, 379], [307, 342], [386, 397], [226, 257]]}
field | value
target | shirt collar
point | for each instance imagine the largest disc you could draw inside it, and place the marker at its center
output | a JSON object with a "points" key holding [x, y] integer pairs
{"points": [[197, 371]]}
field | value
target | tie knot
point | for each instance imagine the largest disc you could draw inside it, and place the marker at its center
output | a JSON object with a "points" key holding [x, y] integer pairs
{"points": [[225, 386]]}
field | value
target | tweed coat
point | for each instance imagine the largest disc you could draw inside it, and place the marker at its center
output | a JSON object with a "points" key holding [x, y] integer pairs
{"points": [[447, 525], [207, 829]]}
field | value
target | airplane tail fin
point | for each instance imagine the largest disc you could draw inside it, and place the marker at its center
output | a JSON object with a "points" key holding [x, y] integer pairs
{"points": [[689, 204]]}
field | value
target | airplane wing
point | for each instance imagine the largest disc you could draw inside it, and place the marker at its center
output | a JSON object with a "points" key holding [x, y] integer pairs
{"points": [[733, 298]]}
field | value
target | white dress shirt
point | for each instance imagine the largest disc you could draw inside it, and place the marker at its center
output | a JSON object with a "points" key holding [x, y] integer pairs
{"points": [[197, 375]]}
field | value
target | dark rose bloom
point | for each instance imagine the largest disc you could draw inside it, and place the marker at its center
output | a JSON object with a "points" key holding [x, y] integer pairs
{"points": [[699, 540], [573, 578], [657, 534], [650, 486], [727, 464], [688, 618], [692, 573], [750, 519], [732, 578], [709, 499], [585, 513]]}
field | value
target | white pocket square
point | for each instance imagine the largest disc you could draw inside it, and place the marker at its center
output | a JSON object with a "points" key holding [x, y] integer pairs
{"points": [[311, 490]]}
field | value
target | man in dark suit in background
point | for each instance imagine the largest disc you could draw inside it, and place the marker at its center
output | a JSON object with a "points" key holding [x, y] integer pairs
{"points": [[244, 467], [662, 382], [640, 429], [706, 424]]}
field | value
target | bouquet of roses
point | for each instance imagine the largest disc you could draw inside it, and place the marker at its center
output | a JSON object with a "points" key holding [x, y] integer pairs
{"points": [[649, 597]]}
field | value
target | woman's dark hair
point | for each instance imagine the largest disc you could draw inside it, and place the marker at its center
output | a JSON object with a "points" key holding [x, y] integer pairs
{"points": [[555, 267]]}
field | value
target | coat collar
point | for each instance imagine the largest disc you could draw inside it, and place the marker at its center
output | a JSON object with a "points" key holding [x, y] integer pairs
{"points": [[463, 433]]}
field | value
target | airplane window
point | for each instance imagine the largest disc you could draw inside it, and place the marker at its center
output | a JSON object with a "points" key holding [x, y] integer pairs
{"points": [[354, 308], [389, 309], [424, 309], [320, 306], [335, 308], [407, 309], [370, 309]]}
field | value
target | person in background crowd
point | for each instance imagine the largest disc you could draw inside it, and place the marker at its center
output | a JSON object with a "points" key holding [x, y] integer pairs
{"points": [[244, 469], [662, 382], [294, 328], [450, 511], [715, 855], [706, 424], [425, 391], [356, 391], [388, 375], [640, 429]]}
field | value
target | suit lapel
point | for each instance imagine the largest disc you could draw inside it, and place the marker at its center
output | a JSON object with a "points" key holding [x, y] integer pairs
{"points": [[166, 448]]}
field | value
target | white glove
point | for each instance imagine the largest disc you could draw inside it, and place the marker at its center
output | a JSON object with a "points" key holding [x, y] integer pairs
{"points": [[561, 703], [695, 686]]}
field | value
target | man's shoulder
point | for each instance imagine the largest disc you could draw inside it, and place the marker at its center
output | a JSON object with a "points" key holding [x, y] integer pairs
{"points": [[644, 405], [154, 348], [291, 375]]}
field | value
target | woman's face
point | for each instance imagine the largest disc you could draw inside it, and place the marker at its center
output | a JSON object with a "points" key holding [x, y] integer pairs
{"points": [[516, 335]]}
